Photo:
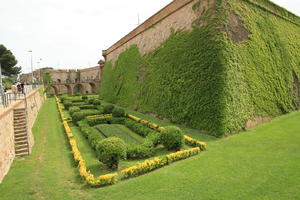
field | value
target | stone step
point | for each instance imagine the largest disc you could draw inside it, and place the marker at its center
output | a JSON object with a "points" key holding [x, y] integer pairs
{"points": [[19, 109], [19, 118], [19, 114], [21, 146], [20, 127], [20, 135], [22, 154], [23, 150], [18, 139], [21, 123], [20, 131], [21, 142]]}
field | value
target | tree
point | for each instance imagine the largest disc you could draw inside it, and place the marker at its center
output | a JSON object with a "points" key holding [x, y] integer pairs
{"points": [[8, 62]]}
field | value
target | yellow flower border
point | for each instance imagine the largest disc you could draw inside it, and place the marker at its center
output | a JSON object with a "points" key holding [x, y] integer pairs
{"points": [[79, 161], [188, 140]]}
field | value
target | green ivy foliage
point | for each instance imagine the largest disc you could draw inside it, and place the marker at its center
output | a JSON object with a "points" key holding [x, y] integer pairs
{"points": [[202, 79]]}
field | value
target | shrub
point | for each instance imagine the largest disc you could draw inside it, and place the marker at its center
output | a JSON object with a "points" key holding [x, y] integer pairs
{"points": [[90, 101], [144, 167], [78, 103], [77, 94], [84, 97], [73, 109], [97, 102], [63, 97], [138, 152], [90, 133], [77, 116], [84, 107], [172, 137], [108, 109], [67, 104], [110, 151], [118, 112], [137, 127]]}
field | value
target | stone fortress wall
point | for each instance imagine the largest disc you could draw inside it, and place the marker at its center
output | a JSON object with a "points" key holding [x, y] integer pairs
{"points": [[148, 36]]}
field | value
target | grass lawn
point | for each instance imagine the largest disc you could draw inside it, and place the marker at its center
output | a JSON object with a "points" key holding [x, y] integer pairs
{"points": [[263, 163], [120, 131]]}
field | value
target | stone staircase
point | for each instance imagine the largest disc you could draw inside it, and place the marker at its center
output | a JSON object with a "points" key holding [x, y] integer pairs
{"points": [[20, 132]]}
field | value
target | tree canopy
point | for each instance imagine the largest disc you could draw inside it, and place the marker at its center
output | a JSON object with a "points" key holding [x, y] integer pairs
{"points": [[8, 62]]}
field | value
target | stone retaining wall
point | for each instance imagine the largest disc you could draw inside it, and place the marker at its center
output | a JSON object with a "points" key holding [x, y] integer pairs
{"points": [[35, 100]]}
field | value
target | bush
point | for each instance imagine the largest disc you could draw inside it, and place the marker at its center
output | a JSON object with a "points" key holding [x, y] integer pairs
{"points": [[77, 94], [110, 151], [78, 103], [118, 112], [73, 109], [84, 97], [84, 107], [108, 109], [67, 104], [77, 116], [109, 120], [172, 137], [90, 101], [137, 127], [97, 102], [90, 133], [139, 151]]}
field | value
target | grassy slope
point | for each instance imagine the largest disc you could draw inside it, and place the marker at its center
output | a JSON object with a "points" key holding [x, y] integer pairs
{"points": [[259, 164]]}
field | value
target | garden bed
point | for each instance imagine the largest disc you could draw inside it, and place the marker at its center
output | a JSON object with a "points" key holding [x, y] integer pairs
{"points": [[144, 149]]}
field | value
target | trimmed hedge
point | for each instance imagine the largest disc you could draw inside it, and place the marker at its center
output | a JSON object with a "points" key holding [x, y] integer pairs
{"points": [[118, 112], [77, 116], [90, 133], [73, 109]]}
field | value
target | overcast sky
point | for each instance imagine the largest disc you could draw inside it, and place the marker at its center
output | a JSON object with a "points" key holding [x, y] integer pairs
{"points": [[72, 33]]}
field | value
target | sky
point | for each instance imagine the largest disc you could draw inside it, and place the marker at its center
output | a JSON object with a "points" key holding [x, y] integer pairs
{"points": [[69, 34]]}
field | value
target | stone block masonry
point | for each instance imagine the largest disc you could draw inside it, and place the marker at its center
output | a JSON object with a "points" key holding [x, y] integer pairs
{"points": [[148, 36], [7, 148]]}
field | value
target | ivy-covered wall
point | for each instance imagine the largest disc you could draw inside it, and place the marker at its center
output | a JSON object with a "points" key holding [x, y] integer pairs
{"points": [[239, 62]]}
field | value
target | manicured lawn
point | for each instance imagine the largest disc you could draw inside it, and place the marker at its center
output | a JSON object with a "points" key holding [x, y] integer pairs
{"points": [[120, 131], [263, 163]]}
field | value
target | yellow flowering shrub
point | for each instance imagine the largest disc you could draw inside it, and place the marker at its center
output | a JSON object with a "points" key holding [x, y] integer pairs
{"points": [[179, 155], [195, 143], [134, 118], [143, 167], [144, 121], [98, 116], [153, 126]]}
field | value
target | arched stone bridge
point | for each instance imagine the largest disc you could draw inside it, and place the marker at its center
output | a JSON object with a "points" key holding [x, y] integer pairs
{"points": [[71, 87], [69, 81]]}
